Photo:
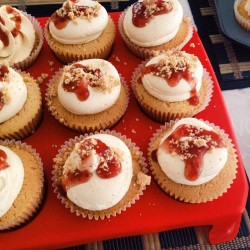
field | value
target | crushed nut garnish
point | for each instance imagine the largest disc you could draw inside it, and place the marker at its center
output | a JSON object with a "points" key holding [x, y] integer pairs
{"points": [[151, 7], [173, 62], [72, 11]]}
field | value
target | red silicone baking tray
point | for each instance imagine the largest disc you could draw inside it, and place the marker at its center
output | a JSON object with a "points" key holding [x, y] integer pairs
{"points": [[56, 227]]}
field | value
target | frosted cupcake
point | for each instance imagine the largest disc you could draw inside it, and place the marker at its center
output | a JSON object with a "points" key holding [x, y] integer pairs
{"points": [[172, 85], [80, 30], [88, 95], [21, 184], [242, 13], [192, 160], [154, 25], [21, 39], [99, 175], [20, 104]]}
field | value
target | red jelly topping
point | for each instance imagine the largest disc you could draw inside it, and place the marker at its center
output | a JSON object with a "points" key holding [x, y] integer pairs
{"points": [[143, 12], [80, 86], [174, 78], [192, 151], [3, 72], [4, 37], [3, 158], [75, 178], [109, 165], [16, 18]]}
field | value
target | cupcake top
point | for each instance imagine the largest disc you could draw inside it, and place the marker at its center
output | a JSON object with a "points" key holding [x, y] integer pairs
{"points": [[191, 152], [98, 172], [89, 86], [11, 178], [78, 22], [13, 92], [17, 35], [173, 77], [152, 22]]}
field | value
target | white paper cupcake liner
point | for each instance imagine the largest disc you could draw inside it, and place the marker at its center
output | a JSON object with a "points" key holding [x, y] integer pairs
{"points": [[208, 191], [126, 201]]}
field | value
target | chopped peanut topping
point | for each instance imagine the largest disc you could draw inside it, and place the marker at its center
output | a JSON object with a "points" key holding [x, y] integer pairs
{"points": [[73, 11]]}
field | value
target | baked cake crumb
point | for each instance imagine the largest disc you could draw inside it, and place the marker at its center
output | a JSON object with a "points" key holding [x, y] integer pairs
{"points": [[41, 78], [192, 45], [143, 179]]}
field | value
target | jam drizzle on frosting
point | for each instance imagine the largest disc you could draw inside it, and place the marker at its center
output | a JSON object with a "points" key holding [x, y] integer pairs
{"points": [[191, 144], [16, 17], [71, 11], [3, 74], [109, 164], [3, 158], [143, 12], [173, 70], [78, 77]]}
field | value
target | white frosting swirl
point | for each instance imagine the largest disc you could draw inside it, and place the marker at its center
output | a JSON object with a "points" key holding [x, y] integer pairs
{"points": [[20, 45], [162, 90], [213, 161], [15, 91], [98, 100], [81, 30], [247, 7], [11, 180], [161, 29], [99, 193]]}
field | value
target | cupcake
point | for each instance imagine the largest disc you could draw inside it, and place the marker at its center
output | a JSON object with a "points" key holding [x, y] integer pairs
{"points": [[87, 95], [80, 30], [21, 38], [21, 184], [154, 25], [242, 13], [99, 175], [192, 160], [20, 104], [172, 85]]}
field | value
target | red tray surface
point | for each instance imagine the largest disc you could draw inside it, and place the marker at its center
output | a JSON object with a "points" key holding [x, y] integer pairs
{"points": [[56, 227]]}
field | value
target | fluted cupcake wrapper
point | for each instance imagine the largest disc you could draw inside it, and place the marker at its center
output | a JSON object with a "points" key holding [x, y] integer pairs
{"points": [[86, 123], [208, 191], [147, 52], [38, 45], [26, 206], [161, 113], [136, 188]]}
